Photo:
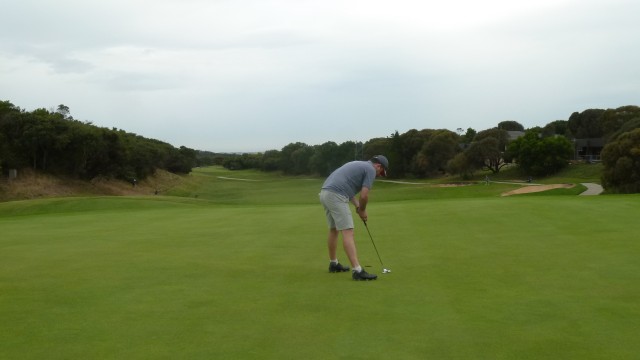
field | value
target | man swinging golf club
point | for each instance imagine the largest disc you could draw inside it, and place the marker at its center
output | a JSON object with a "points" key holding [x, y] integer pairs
{"points": [[340, 188]]}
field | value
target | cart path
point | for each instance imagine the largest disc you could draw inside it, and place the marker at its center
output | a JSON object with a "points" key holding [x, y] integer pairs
{"points": [[592, 189]]}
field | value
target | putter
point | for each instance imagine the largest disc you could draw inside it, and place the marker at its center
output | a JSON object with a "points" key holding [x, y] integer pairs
{"points": [[384, 270]]}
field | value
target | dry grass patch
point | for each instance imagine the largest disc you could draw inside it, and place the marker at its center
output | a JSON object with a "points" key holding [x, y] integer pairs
{"points": [[34, 185]]}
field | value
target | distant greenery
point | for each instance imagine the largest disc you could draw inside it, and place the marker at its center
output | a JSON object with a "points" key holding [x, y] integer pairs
{"points": [[430, 154], [54, 142]]}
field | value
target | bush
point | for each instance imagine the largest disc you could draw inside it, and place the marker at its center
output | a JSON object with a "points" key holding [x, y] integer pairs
{"points": [[621, 161]]}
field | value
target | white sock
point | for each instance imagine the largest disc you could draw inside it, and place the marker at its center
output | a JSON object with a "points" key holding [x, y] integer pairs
{"points": [[357, 268], [334, 261]]}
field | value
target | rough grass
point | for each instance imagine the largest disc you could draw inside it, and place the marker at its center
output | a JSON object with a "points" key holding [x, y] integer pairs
{"points": [[36, 185], [240, 272]]}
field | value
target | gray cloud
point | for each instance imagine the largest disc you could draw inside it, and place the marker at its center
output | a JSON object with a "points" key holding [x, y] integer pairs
{"points": [[256, 75]]}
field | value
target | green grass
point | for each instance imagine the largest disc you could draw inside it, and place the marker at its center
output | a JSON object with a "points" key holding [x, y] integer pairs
{"points": [[240, 273], [248, 187]]}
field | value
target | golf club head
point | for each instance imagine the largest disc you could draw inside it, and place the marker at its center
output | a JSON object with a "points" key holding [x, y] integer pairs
{"points": [[386, 271]]}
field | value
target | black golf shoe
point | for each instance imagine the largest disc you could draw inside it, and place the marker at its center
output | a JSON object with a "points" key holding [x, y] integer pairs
{"points": [[363, 275], [333, 268]]}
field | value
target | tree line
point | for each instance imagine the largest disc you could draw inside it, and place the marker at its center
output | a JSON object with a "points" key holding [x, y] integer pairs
{"points": [[537, 151], [54, 142], [421, 153]]}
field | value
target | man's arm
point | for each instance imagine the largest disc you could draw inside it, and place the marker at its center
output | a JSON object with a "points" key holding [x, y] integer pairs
{"points": [[362, 204], [364, 198]]}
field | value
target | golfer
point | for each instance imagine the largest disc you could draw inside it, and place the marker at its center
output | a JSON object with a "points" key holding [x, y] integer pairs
{"points": [[340, 188]]}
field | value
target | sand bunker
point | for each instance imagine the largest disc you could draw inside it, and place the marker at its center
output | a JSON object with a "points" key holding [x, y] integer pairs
{"points": [[537, 188]]}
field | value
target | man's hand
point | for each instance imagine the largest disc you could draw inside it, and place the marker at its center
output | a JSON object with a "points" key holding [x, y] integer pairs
{"points": [[363, 214]]}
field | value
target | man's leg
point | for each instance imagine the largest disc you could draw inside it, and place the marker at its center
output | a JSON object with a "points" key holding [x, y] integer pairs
{"points": [[349, 243], [332, 243]]}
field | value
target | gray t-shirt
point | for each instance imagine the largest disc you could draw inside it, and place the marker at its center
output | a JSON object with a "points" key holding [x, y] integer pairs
{"points": [[350, 178]]}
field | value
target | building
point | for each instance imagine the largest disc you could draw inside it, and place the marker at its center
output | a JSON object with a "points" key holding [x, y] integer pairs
{"points": [[588, 149]]}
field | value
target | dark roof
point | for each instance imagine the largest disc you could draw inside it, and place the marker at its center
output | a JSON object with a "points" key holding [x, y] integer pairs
{"points": [[512, 135], [590, 142]]}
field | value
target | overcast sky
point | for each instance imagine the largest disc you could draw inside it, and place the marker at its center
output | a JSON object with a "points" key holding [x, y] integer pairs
{"points": [[255, 75]]}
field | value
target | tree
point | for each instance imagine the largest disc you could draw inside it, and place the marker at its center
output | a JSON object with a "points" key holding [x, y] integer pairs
{"points": [[461, 165], [485, 154], [437, 152], [613, 120], [469, 135], [487, 151], [54, 142], [39, 137], [300, 159], [621, 161], [345, 152], [80, 147], [510, 125], [626, 127], [400, 149], [243, 161], [541, 156], [270, 160], [558, 127], [324, 159], [394, 153], [181, 161], [375, 146], [295, 157], [4, 150], [501, 136], [586, 124], [208, 158], [64, 111], [9, 135]]}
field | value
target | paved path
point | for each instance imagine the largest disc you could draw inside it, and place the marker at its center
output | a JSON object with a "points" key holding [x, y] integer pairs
{"points": [[592, 189]]}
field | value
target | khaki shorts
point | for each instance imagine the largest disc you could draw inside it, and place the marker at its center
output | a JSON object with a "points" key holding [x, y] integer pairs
{"points": [[336, 208]]}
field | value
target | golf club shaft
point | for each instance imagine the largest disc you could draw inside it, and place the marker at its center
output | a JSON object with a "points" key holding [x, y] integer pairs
{"points": [[374, 244]]}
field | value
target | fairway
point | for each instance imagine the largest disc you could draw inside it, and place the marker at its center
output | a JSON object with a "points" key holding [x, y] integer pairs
{"points": [[228, 269]]}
